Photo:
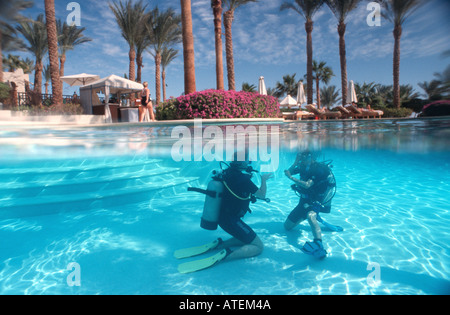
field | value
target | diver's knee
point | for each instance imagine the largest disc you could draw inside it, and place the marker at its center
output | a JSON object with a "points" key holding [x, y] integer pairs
{"points": [[312, 217], [258, 244]]}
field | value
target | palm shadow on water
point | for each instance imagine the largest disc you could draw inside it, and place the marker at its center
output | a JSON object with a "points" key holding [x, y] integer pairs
{"points": [[355, 268]]}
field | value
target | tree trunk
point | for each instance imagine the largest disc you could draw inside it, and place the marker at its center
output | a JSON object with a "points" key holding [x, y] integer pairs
{"points": [[1, 57], [158, 78], [217, 11], [163, 79], [52, 37], [317, 92], [188, 47], [62, 62], [132, 67], [343, 58], [38, 77], [140, 65], [397, 36], [228, 22], [309, 66]]}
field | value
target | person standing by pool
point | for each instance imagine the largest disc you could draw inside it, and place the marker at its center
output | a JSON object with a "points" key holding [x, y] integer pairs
{"points": [[146, 104], [316, 187]]}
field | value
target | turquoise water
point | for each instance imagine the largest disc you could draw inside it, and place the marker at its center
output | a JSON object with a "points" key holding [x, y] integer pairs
{"points": [[113, 200]]}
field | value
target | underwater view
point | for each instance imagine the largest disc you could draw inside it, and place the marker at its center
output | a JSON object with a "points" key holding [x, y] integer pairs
{"points": [[102, 210]]}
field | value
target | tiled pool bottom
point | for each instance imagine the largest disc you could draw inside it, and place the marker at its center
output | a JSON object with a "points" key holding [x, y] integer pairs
{"points": [[393, 207]]}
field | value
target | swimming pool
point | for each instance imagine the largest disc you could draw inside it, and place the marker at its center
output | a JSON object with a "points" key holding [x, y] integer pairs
{"points": [[111, 204]]}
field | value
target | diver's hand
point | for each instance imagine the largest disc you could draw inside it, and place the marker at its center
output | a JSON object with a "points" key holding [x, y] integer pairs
{"points": [[267, 176]]}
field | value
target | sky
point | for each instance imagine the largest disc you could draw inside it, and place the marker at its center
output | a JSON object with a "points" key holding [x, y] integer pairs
{"points": [[269, 43]]}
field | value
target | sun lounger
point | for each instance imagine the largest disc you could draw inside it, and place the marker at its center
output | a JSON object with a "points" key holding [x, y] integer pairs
{"points": [[289, 115], [355, 112], [323, 115], [344, 112], [363, 112], [370, 113], [297, 115]]}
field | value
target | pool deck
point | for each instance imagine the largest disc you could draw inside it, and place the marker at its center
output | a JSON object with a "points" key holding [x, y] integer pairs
{"points": [[17, 118], [11, 118]]}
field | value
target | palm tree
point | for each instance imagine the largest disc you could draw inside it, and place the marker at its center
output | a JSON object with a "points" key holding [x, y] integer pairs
{"points": [[367, 93], [130, 18], [47, 77], [329, 96], [10, 13], [165, 30], [167, 56], [321, 73], [143, 40], [307, 9], [288, 87], [69, 37], [444, 78], [52, 38], [341, 9], [35, 33], [247, 87], [217, 12], [13, 62], [188, 47], [433, 90], [228, 18], [397, 11]]}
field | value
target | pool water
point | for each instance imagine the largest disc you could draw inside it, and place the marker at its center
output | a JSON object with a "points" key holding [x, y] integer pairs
{"points": [[113, 200]]}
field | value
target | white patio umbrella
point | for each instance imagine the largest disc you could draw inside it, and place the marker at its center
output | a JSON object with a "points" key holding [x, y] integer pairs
{"points": [[301, 97], [351, 94], [80, 79], [288, 102], [262, 86]]}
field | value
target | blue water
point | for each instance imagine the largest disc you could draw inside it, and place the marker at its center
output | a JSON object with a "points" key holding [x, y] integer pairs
{"points": [[112, 200]]}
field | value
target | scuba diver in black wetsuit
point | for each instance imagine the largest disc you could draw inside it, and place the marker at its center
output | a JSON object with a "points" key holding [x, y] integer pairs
{"points": [[316, 187], [228, 198]]}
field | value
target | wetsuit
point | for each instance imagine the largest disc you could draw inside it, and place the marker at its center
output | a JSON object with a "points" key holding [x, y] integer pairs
{"points": [[318, 172], [233, 209]]}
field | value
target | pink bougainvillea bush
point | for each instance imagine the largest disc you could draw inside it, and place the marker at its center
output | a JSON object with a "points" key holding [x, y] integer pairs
{"points": [[213, 104]]}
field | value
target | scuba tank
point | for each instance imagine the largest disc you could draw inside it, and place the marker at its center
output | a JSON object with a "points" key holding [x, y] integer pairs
{"points": [[213, 199], [211, 207]]}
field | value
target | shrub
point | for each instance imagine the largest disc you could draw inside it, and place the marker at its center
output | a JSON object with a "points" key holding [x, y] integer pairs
{"points": [[213, 104], [396, 112], [415, 104], [438, 108]]}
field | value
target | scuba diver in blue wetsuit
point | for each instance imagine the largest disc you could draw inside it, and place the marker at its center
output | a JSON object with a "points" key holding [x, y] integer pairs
{"points": [[316, 187], [228, 198]]}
